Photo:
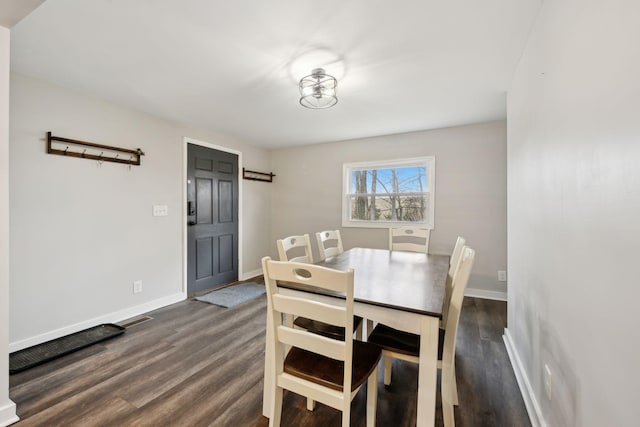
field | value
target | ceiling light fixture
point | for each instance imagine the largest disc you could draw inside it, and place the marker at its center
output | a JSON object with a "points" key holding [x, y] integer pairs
{"points": [[318, 90]]}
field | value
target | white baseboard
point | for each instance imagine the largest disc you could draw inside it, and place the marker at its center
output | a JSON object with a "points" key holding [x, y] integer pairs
{"points": [[483, 293], [114, 317], [251, 274], [8, 414], [530, 401]]}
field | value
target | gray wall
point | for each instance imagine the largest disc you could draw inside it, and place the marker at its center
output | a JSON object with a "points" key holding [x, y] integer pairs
{"points": [[7, 408], [574, 204], [82, 233], [470, 192]]}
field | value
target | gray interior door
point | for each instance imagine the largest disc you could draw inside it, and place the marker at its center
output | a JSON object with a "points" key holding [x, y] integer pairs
{"points": [[212, 215]]}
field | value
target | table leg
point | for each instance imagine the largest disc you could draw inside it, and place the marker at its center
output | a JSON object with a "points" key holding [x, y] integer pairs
{"points": [[427, 371]]}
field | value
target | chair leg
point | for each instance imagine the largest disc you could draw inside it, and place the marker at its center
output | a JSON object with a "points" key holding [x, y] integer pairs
{"points": [[359, 332], [372, 399], [387, 369], [447, 414], [454, 385], [446, 394], [276, 408], [346, 414], [311, 404], [369, 327]]}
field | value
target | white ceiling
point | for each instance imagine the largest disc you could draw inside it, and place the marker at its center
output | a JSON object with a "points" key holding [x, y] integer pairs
{"points": [[12, 11], [226, 65]]}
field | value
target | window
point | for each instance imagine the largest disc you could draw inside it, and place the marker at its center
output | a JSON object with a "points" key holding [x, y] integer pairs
{"points": [[389, 193]]}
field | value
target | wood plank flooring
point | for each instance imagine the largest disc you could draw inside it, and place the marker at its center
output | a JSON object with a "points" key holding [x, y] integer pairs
{"points": [[197, 364]]}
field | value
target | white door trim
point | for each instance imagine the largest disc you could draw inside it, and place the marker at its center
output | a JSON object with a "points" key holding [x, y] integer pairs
{"points": [[187, 140]]}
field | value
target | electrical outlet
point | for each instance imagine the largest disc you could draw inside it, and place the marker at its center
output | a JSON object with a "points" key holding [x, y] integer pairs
{"points": [[547, 381], [502, 276], [160, 210], [137, 286]]}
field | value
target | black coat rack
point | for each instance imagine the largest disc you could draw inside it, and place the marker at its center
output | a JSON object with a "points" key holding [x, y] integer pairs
{"points": [[257, 176], [73, 147]]}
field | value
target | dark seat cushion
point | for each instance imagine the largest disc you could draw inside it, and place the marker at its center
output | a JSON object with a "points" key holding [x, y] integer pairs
{"points": [[400, 341], [325, 329], [330, 372]]}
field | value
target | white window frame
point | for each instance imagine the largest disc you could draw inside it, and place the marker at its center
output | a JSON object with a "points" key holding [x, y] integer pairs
{"points": [[429, 162]]}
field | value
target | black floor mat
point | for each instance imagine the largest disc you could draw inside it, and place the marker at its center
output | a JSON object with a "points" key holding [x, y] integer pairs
{"points": [[41, 353]]}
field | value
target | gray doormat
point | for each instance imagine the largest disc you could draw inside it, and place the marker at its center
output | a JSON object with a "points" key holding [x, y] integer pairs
{"points": [[233, 295], [41, 353]]}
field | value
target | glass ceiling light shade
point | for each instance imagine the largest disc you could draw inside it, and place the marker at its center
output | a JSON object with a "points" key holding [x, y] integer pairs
{"points": [[318, 90]]}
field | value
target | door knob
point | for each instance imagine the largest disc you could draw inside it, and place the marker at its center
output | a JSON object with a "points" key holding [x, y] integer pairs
{"points": [[191, 223]]}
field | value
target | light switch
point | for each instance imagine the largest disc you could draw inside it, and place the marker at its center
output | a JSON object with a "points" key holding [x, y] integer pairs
{"points": [[160, 210]]}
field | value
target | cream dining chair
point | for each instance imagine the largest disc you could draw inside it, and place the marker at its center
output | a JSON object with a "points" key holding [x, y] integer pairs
{"points": [[295, 243], [324, 238], [322, 368], [406, 346], [292, 242], [454, 263], [299, 244], [409, 239]]}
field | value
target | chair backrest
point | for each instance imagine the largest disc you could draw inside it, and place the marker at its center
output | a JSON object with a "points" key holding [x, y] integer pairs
{"points": [[460, 281], [454, 263], [409, 239], [323, 238], [456, 254], [295, 243], [339, 313]]}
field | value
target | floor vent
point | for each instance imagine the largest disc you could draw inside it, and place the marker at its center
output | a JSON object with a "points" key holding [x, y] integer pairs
{"points": [[44, 352], [136, 321]]}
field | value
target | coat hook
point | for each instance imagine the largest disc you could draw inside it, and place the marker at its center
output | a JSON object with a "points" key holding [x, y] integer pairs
{"points": [[84, 151], [65, 150], [100, 159]]}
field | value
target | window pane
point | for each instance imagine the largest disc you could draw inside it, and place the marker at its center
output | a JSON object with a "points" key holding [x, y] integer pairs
{"points": [[389, 180], [411, 208]]}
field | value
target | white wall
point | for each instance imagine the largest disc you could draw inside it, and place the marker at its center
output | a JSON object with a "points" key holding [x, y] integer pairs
{"points": [[7, 407], [574, 205], [82, 233], [470, 191]]}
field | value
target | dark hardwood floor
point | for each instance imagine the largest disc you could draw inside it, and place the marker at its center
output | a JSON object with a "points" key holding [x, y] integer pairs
{"points": [[197, 364]]}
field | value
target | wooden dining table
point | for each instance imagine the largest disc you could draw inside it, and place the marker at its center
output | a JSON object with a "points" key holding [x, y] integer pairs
{"points": [[403, 290]]}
